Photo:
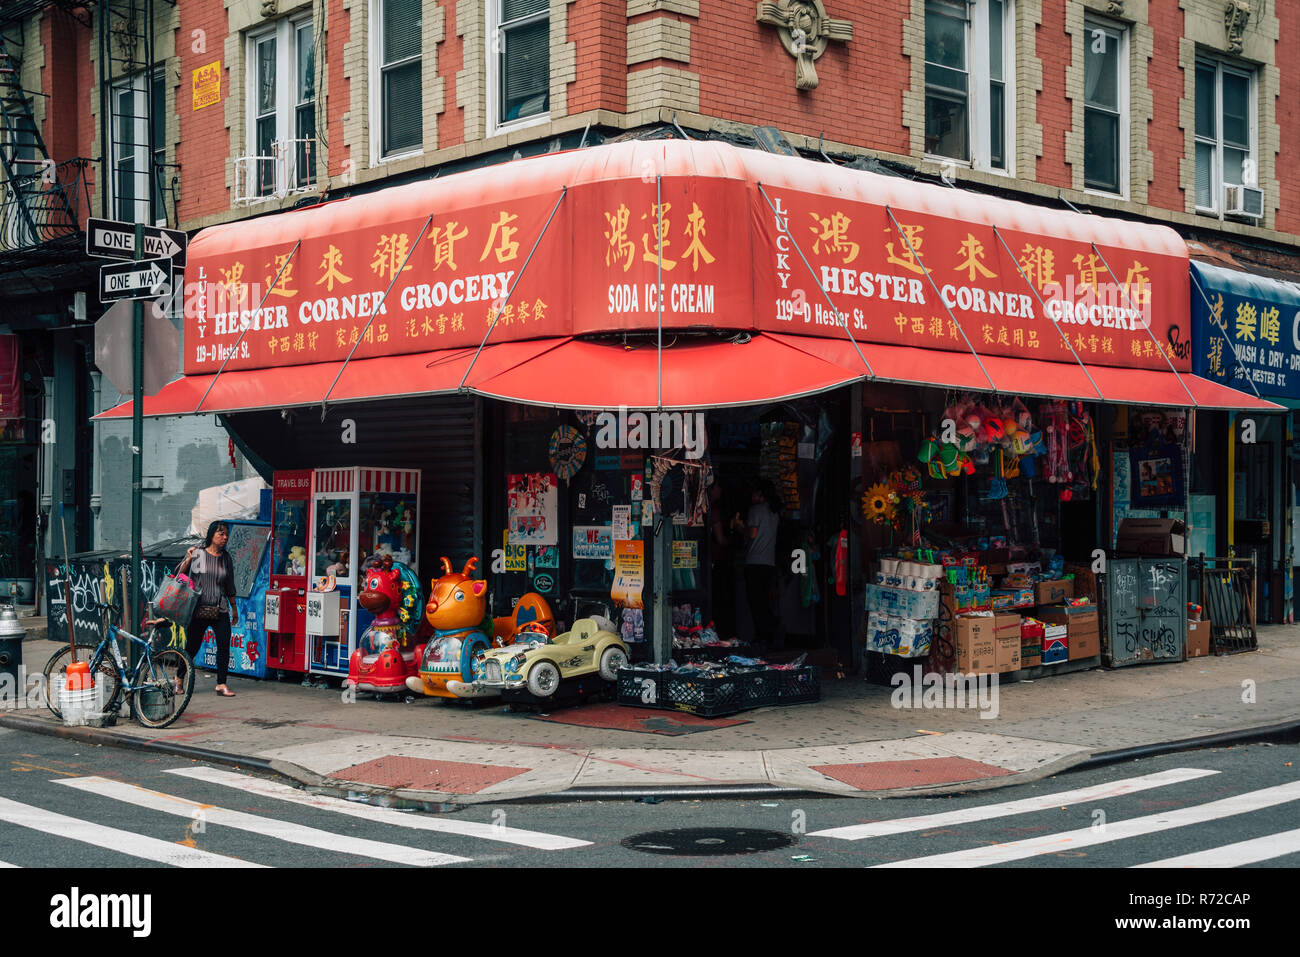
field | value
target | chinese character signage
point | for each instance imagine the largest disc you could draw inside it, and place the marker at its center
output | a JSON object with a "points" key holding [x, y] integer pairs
{"points": [[1246, 326], [682, 234]]}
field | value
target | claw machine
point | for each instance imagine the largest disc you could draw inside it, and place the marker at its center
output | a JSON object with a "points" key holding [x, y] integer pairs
{"points": [[356, 513], [286, 596]]}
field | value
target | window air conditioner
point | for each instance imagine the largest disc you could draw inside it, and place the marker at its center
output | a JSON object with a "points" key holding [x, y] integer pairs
{"points": [[1243, 201]]}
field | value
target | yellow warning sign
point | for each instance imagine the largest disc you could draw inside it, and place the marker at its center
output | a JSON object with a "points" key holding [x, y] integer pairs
{"points": [[207, 85]]}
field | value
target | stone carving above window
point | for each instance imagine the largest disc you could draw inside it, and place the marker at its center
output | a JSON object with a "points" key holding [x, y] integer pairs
{"points": [[805, 31], [1236, 13]]}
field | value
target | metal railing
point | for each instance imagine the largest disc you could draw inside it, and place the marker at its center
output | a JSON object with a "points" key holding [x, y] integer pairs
{"points": [[1225, 589], [44, 205], [291, 168]]}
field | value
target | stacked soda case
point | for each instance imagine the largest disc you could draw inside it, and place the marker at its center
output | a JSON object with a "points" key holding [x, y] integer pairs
{"points": [[779, 460]]}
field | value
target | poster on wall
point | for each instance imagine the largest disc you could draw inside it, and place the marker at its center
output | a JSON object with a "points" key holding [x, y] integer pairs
{"points": [[629, 573], [516, 555], [622, 522], [593, 541], [686, 554], [548, 556], [532, 501]]}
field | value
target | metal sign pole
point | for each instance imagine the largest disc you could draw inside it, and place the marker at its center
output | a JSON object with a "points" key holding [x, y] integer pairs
{"points": [[137, 441]]}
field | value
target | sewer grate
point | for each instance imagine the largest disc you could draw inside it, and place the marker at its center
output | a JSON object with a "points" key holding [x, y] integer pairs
{"points": [[708, 841]]}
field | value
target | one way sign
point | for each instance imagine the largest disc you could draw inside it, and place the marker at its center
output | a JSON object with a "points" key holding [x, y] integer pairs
{"points": [[110, 239], [134, 280]]}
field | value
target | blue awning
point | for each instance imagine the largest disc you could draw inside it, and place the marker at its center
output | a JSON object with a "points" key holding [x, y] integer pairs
{"points": [[1246, 330]]}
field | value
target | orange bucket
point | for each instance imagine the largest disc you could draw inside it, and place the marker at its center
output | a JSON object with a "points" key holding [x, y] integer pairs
{"points": [[79, 677]]}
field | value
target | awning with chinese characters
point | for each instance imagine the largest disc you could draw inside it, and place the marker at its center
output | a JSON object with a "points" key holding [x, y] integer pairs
{"points": [[1246, 330], [625, 237]]}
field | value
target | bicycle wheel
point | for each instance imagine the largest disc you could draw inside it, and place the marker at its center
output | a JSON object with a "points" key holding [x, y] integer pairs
{"points": [[106, 677], [157, 703]]}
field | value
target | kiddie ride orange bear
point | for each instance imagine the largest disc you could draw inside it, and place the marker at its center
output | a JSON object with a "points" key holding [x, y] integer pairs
{"points": [[384, 660], [457, 613]]}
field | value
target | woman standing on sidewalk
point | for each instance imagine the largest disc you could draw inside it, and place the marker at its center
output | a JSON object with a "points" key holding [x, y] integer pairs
{"points": [[214, 574]]}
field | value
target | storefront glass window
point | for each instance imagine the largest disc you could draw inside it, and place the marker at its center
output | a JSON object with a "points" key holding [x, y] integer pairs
{"points": [[333, 537], [289, 555]]}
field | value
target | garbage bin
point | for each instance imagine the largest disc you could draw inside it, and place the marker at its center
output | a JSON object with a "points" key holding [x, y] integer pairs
{"points": [[11, 643]]}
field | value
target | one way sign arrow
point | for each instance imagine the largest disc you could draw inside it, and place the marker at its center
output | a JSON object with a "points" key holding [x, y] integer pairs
{"points": [[110, 239], [134, 280]]}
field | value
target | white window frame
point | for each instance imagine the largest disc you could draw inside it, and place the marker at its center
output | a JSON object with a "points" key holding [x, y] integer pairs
{"points": [[1120, 33], [285, 33], [495, 125], [1222, 66], [978, 97], [142, 161], [376, 80]]}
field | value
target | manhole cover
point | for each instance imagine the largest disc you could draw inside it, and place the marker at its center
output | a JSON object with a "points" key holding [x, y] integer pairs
{"points": [[704, 841]]}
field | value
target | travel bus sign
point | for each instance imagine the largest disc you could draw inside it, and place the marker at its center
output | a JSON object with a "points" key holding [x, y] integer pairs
{"points": [[111, 239]]}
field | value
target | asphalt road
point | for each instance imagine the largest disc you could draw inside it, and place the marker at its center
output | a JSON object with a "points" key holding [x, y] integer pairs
{"points": [[66, 804]]}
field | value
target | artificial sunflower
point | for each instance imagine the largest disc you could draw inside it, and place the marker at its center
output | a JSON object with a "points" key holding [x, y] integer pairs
{"points": [[879, 503]]}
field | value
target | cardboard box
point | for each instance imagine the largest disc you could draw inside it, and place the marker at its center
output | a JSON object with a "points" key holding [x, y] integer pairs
{"points": [[1085, 581], [1006, 630], [1015, 580], [1152, 536], [1056, 644], [1031, 652], [1053, 592], [1082, 624], [1198, 639], [957, 599], [977, 644]]}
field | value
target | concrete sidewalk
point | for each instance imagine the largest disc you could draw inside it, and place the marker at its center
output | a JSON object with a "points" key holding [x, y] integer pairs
{"points": [[853, 742]]}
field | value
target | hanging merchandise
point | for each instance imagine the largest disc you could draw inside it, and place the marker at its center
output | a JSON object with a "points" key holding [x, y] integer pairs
{"points": [[880, 504], [1056, 432], [567, 451], [778, 461], [1085, 463], [842, 562]]}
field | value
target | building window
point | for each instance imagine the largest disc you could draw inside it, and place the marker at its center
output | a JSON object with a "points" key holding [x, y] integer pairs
{"points": [[398, 86], [1225, 131], [281, 111], [969, 74], [139, 110], [1105, 108], [520, 75]]}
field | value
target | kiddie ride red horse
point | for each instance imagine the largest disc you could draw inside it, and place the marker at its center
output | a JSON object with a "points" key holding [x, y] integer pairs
{"points": [[384, 658], [457, 612]]}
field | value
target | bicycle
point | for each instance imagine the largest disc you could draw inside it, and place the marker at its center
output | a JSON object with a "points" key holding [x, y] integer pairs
{"points": [[152, 688]]}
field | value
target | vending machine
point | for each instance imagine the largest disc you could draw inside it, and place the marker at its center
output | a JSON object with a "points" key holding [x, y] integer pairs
{"points": [[286, 597], [356, 513]]}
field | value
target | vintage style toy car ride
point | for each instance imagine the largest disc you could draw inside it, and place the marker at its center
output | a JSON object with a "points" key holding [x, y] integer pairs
{"points": [[538, 664]]}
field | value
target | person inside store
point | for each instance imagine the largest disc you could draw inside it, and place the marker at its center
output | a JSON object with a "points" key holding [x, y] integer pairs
{"points": [[760, 563], [213, 573]]}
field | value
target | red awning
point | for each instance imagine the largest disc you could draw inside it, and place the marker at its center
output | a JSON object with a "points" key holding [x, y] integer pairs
{"points": [[579, 374], [428, 373], [1030, 377]]}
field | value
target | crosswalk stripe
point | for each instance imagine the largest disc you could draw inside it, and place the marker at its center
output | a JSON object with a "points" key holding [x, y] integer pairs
{"points": [[98, 835], [1043, 802], [273, 789], [269, 827], [1235, 855], [1112, 831], [7, 864]]}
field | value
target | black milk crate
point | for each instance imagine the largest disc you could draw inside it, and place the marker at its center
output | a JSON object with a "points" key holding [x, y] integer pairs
{"points": [[711, 696], [642, 689], [798, 685]]}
